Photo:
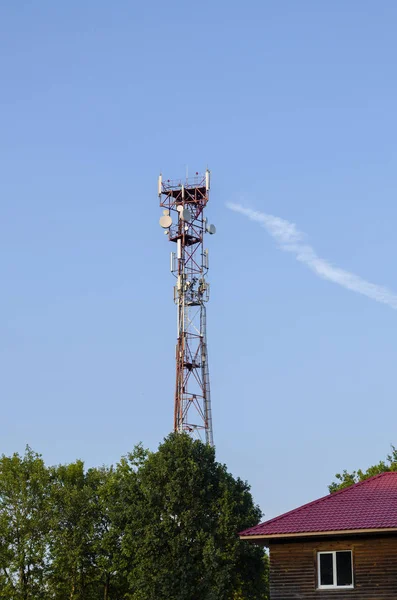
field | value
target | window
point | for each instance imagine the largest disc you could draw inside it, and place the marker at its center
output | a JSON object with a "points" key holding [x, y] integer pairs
{"points": [[335, 570]]}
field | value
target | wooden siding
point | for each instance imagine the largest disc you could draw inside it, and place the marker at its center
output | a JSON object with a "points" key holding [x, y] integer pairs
{"points": [[293, 569]]}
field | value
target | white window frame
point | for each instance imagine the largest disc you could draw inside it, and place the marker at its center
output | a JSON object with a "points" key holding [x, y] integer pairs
{"points": [[334, 586]]}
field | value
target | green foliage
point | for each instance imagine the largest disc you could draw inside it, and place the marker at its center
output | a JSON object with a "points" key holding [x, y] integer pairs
{"points": [[181, 533], [74, 515], [108, 531], [24, 526], [346, 479], [157, 526]]}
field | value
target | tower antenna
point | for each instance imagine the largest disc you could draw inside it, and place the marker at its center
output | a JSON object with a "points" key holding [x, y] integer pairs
{"points": [[185, 225]]}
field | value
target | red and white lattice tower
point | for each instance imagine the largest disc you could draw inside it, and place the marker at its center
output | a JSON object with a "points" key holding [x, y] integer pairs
{"points": [[185, 224]]}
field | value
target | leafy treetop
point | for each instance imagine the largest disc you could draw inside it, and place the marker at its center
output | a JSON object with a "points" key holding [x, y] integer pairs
{"points": [[346, 479]]}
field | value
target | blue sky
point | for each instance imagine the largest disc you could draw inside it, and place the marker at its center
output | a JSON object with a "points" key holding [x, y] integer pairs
{"points": [[292, 106]]}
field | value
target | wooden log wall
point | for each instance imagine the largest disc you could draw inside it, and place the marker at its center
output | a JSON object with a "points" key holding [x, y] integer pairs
{"points": [[293, 569]]}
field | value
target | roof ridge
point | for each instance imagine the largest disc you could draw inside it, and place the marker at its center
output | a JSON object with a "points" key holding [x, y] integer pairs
{"points": [[323, 498]]}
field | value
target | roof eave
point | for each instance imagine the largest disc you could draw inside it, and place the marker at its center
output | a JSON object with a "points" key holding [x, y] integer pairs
{"points": [[305, 534]]}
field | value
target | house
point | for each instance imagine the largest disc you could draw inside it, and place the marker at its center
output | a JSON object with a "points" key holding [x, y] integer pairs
{"points": [[342, 546]]}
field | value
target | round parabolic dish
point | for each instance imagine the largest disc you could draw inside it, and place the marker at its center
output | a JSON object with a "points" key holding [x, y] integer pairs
{"points": [[186, 215], [165, 221]]}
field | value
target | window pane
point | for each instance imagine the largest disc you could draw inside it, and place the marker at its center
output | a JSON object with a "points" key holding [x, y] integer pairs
{"points": [[326, 569], [344, 568]]}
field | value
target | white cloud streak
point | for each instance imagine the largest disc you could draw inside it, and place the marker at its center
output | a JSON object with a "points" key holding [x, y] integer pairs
{"points": [[290, 239]]}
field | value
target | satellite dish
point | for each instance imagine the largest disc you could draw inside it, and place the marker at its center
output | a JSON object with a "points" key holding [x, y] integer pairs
{"points": [[211, 229], [165, 221], [166, 212], [186, 215], [179, 208]]}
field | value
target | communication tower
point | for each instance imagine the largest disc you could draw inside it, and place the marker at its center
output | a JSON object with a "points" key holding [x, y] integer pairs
{"points": [[185, 224]]}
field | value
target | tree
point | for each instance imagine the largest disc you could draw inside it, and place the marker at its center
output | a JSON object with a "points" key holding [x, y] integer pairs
{"points": [[157, 526], [181, 521], [72, 531], [84, 545], [24, 526], [108, 533], [346, 479]]}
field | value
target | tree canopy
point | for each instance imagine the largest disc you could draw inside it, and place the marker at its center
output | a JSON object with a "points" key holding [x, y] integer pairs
{"points": [[183, 528], [161, 525], [346, 479]]}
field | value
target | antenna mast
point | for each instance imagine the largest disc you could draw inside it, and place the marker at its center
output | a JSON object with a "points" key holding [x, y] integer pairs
{"points": [[185, 225]]}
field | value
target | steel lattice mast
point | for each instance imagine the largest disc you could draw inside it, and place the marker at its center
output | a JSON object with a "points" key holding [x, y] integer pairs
{"points": [[185, 224]]}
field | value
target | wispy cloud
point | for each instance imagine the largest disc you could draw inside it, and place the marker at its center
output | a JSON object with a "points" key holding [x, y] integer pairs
{"points": [[290, 239]]}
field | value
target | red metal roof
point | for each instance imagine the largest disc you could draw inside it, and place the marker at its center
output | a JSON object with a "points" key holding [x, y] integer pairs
{"points": [[370, 504]]}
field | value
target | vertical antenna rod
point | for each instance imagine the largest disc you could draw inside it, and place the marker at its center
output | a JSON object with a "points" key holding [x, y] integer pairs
{"points": [[184, 223]]}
